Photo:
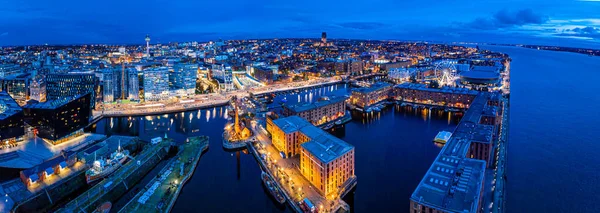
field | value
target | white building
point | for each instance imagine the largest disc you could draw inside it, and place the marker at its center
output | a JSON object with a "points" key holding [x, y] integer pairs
{"points": [[133, 92], [185, 78], [109, 85], [156, 84]]}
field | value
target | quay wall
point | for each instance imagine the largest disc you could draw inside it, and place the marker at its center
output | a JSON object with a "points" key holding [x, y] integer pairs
{"points": [[127, 113], [262, 165], [57, 192], [189, 175]]}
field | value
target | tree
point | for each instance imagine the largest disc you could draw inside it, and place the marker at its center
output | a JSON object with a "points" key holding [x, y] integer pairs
{"points": [[434, 84], [413, 79]]}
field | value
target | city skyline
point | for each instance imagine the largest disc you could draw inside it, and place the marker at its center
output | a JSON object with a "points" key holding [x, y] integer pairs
{"points": [[564, 23]]}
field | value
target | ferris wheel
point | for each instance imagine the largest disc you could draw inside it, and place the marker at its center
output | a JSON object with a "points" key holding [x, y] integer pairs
{"points": [[445, 73]]}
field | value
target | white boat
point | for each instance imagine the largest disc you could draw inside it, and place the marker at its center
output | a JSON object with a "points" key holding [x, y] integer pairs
{"points": [[104, 167]]}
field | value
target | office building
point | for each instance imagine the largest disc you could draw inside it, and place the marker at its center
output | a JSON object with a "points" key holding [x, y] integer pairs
{"points": [[37, 90], [64, 86], [366, 96], [16, 86], [11, 120], [326, 161], [59, 120], [133, 82], [185, 78], [263, 74], [156, 84], [325, 110], [109, 85]]}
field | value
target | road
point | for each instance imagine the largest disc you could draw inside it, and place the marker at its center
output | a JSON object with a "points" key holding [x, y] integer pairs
{"points": [[201, 100], [288, 174]]}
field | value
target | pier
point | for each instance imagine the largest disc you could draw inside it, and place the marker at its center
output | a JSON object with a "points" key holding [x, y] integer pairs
{"points": [[161, 192]]}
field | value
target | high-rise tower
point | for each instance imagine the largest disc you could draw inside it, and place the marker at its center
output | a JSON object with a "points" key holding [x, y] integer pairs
{"points": [[147, 45], [324, 38]]}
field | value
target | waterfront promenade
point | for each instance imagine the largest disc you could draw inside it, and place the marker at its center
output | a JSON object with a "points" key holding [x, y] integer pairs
{"points": [[286, 173], [203, 100]]}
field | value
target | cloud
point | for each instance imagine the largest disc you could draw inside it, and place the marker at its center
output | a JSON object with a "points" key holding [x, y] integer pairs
{"points": [[506, 19], [4, 34], [587, 32], [584, 30]]}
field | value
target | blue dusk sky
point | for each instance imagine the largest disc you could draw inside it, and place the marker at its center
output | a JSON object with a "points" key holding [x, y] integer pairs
{"points": [[548, 22]]}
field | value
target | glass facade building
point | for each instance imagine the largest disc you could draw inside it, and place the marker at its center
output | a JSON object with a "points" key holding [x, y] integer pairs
{"points": [[61, 86], [11, 120], [56, 120], [156, 84]]}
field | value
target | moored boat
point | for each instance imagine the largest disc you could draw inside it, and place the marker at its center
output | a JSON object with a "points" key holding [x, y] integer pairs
{"points": [[104, 167], [273, 190], [104, 207]]}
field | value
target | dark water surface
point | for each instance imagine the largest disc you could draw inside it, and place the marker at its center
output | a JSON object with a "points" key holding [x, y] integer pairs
{"points": [[553, 161]]}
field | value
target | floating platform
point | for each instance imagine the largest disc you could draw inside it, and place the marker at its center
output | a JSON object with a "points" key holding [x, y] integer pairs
{"points": [[442, 137]]}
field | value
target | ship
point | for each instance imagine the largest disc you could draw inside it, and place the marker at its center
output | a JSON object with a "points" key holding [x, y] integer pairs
{"points": [[104, 208], [104, 167], [273, 190]]}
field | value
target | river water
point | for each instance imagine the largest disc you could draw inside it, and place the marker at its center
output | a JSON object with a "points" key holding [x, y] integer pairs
{"points": [[552, 160]]}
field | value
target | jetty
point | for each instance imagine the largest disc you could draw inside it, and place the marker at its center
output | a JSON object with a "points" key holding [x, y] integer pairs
{"points": [[160, 194]]}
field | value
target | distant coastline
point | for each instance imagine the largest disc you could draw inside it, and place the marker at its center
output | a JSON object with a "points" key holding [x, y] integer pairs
{"points": [[586, 51]]}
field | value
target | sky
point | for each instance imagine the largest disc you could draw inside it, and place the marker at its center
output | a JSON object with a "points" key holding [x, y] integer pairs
{"points": [[547, 22]]}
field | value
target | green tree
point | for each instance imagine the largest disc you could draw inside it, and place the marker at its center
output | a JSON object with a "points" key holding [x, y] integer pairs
{"points": [[434, 84]]}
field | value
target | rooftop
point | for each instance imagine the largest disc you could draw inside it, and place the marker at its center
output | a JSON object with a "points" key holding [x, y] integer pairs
{"points": [[301, 107], [8, 106], [485, 68], [323, 145], [453, 182], [53, 104], [445, 89], [373, 87], [480, 75]]}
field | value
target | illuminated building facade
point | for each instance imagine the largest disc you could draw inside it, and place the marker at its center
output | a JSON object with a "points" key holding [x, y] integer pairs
{"points": [[61, 86], [367, 96], [326, 161], [57, 121], [17, 86], [445, 96], [323, 111], [109, 85], [185, 78], [156, 84], [133, 90], [263, 74], [11, 120], [37, 90]]}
